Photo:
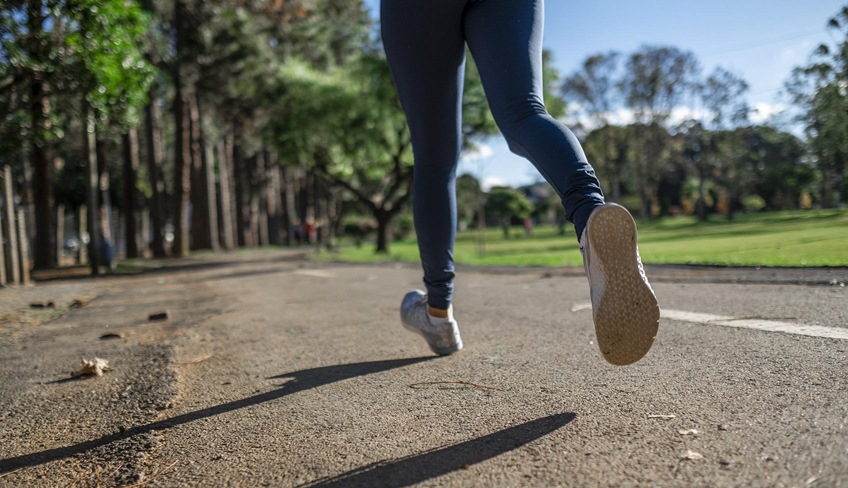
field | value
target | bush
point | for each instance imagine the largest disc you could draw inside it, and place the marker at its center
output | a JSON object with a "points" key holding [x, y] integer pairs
{"points": [[358, 228], [754, 203]]}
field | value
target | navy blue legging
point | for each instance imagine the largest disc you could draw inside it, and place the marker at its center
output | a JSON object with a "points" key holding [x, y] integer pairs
{"points": [[425, 46]]}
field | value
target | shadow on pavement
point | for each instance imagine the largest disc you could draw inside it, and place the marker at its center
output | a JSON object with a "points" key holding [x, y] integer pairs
{"points": [[301, 380], [431, 464]]}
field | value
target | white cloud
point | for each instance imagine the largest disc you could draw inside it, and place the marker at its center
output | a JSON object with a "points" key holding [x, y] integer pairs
{"points": [[483, 151], [764, 111], [492, 181]]}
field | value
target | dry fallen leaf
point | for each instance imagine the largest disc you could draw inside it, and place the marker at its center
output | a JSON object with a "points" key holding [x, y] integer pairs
{"points": [[93, 367], [690, 455]]}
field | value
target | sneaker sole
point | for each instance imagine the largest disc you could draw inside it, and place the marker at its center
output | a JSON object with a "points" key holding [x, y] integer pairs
{"points": [[628, 314]]}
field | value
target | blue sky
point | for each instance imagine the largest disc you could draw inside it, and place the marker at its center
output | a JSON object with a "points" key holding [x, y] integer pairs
{"points": [[760, 40]]}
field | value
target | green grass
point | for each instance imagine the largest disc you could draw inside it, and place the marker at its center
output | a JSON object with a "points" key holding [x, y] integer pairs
{"points": [[797, 238]]}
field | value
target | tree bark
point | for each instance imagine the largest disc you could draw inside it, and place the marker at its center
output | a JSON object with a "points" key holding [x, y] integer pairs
{"points": [[42, 189], [91, 186], [238, 185], [9, 227], [275, 206], [260, 194], [201, 224], [130, 147], [384, 227], [225, 157], [211, 196], [182, 172], [155, 155], [289, 202], [39, 115]]}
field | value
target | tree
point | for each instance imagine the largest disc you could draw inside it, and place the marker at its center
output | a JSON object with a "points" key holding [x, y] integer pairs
{"points": [[347, 124], [780, 169], [505, 204], [819, 90], [84, 48], [469, 199], [654, 84], [594, 88], [721, 94]]}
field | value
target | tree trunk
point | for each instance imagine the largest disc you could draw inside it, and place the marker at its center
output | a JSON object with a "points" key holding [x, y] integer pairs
{"points": [[130, 146], [384, 227], [42, 189], [260, 196], [9, 229], [211, 196], [273, 197], [105, 214], [40, 124], [91, 189], [182, 172], [225, 157], [238, 185], [155, 155], [289, 202], [60, 233], [200, 219]]}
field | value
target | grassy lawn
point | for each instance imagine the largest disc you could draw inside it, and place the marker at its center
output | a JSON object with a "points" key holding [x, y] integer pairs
{"points": [[797, 238]]}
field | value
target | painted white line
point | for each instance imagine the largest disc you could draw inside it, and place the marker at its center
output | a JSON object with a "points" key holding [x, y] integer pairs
{"points": [[757, 324], [316, 273], [743, 323]]}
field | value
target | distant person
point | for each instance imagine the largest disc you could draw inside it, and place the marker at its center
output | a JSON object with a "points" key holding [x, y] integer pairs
{"points": [[425, 47]]}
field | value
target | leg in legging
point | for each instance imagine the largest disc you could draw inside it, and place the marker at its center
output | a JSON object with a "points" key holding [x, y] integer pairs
{"points": [[505, 38], [426, 52]]}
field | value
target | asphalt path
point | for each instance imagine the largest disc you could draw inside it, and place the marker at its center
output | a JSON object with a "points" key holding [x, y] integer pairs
{"points": [[276, 371]]}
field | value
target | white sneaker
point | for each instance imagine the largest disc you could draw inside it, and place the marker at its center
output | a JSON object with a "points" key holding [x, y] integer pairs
{"points": [[443, 338], [624, 307]]}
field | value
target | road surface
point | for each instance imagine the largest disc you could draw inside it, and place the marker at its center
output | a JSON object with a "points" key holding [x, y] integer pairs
{"points": [[276, 371]]}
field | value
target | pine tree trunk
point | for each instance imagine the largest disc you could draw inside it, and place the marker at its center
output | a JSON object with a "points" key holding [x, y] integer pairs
{"points": [[92, 219], [42, 189], [200, 222], [289, 202], [261, 198], [182, 172], [211, 196], [154, 170], [225, 182], [275, 206], [130, 146], [238, 186]]}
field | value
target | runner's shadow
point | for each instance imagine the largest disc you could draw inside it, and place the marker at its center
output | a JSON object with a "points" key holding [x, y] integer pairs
{"points": [[301, 380], [431, 464]]}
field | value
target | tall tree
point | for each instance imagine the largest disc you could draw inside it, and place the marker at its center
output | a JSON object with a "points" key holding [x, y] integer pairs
{"points": [[83, 48], [655, 81], [720, 154], [819, 90], [594, 89]]}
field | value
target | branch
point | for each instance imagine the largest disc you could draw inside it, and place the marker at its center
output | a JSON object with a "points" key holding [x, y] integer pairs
{"points": [[322, 167]]}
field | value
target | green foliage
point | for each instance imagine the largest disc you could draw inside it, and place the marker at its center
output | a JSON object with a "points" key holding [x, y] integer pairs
{"points": [[819, 90], [754, 203], [506, 204], [105, 47]]}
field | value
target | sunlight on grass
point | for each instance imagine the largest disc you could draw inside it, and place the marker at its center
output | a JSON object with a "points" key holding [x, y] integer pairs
{"points": [[797, 238]]}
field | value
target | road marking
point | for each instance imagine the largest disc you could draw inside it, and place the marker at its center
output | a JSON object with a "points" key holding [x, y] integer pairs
{"points": [[743, 323], [316, 273]]}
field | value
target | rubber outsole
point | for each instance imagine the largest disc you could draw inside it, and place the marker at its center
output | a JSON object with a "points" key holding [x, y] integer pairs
{"points": [[627, 315]]}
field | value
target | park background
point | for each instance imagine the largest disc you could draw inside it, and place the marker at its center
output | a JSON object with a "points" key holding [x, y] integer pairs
{"points": [[153, 129]]}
